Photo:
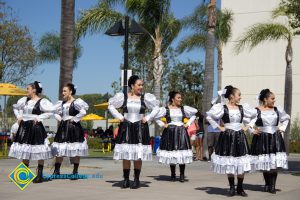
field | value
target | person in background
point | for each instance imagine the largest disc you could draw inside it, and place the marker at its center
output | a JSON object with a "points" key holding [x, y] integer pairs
{"points": [[199, 136]]}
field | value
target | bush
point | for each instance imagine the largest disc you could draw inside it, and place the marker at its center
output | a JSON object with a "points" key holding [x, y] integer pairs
{"points": [[294, 147]]}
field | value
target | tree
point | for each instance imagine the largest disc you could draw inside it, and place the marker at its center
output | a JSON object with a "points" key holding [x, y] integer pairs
{"points": [[17, 51], [93, 99], [262, 32], [49, 49], [154, 16], [292, 9], [197, 22], [67, 35], [187, 78]]}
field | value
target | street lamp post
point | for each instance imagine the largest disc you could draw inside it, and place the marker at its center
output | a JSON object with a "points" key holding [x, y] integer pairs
{"points": [[118, 30]]}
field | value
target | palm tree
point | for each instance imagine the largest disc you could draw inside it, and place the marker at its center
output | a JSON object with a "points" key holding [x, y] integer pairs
{"points": [[67, 33], [49, 49], [197, 22], [154, 16], [262, 32]]}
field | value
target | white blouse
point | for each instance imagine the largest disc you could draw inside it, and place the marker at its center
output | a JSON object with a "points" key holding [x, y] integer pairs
{"points": [[133, 107], [23, 109], [62, 111], [269, 119], [217, 111], [176, 115]]}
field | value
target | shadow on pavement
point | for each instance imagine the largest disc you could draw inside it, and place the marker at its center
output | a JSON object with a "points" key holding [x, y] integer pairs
{"points": [[119, 183], [214, 190], [166, 178]]}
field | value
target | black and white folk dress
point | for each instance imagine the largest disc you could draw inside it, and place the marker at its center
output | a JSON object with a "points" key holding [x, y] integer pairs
{"points": [[232, 151], [267, 148], [31, 142], [69, 140], [175, 146], [133, 140]]}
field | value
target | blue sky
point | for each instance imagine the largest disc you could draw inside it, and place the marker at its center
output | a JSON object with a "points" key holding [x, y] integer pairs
{"points": [[102, 55]]}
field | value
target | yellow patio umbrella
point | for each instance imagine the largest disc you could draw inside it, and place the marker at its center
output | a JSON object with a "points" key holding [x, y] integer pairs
{"points": [[102, 106], [92, 116], [8, 89], [113, 121]]}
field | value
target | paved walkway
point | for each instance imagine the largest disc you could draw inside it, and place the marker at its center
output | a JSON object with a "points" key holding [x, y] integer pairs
{"points": [[201, 183]]}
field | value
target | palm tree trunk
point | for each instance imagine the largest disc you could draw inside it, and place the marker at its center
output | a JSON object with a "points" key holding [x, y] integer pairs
{"points": [[220, 65], [209, 64], [66, 43], [288, 89], [158, 69]]}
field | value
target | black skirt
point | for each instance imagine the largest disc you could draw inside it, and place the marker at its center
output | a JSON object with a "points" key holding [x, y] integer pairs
{"points": [[268, 151], [69, 140], [133, 142], [69, 132], [232, 153], [31, 142], [175, 146]]}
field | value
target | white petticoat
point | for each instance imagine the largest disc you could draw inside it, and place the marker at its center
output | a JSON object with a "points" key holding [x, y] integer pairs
{"points": [[266, 162], [174, 157], [67, 149], [231, 165], [133, 152], [30, 152]]}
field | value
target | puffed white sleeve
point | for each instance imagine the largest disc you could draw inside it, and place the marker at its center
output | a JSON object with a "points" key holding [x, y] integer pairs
{"points": [[82, 107], [18, 107], [48, 110], [249, 112], [214, 114], [114, 103], [190, 113], [161, 113], [58, 111], [284, 119], [153, 104]]}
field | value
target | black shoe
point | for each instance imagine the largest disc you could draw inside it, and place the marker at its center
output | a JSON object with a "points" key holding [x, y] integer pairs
{"points": [[135, 184], [241, 192], [173, 178], [181, 178], [273, 177], [39, 178], [232, 188], [266, 188], [267, 181], [126, 183], [231, 191]]}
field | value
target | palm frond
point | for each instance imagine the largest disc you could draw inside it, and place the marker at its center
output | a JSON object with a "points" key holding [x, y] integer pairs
{"points": [[191, 42], [261, 32], [197, 20], [223, 29], [96, 19], [279, 11], [170, 29]]}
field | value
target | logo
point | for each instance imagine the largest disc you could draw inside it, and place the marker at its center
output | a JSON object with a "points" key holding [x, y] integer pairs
{"points": [[22, 176]]}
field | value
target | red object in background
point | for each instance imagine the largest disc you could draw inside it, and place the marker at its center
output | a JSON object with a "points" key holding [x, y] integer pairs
{"points": [[152, 142], [86, 135], [116, 132], [192, 129]]}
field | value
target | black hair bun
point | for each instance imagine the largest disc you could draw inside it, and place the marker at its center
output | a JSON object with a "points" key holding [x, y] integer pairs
{"points": [[72, 87], [38, 87], [132, 80], [263, 94], [229, 89]]}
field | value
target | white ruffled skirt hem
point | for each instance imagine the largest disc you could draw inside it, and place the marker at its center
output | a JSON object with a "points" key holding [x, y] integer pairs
{"points": [[132, 152], [267, 162], [67, 149], [174, 157], [232, 165], [30, 152]]}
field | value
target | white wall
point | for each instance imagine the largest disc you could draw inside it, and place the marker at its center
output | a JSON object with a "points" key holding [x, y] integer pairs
{"points": [[264, 66]]}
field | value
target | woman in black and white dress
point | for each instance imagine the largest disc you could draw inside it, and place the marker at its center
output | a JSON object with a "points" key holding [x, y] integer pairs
{"points": [[30, 141], [231, 154], [175, 147], [69, 140], [133, 140], [267, 145]]}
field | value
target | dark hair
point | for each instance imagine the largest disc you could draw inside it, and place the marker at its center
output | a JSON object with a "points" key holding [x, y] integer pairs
{"points": [[172, 95], [132, 80], [37, 86], [229, 91], [72, 88], [265, 93]]}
